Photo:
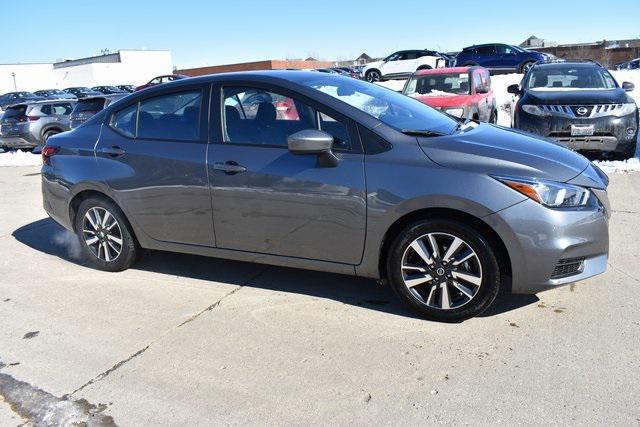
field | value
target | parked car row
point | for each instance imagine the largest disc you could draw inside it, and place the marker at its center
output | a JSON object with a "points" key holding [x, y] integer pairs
{"points": [[402, 64], [499, 57], [634, 64]]}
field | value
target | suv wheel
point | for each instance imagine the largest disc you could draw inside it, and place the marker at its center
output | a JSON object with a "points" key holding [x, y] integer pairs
{"points": [[526, 66], [105, 235], [48, 134], [444, 270], [373, 76], [424, 67]]}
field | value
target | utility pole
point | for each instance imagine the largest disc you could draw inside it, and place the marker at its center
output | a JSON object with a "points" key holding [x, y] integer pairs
{"points": [[15, 87]]}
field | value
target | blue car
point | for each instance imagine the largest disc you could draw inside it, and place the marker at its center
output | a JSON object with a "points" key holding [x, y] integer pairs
{"points": [[500, 57]]}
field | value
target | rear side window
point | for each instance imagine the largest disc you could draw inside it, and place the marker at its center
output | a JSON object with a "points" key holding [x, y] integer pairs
{"points": [[124, 121], [89, 105], [46, 109], [173, 116], [485, 50]]}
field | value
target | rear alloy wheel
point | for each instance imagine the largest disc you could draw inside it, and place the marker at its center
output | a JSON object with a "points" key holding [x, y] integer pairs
{"points": [[105, 235], [49, 134], [444, 270], [373, 76], [526, 67]]}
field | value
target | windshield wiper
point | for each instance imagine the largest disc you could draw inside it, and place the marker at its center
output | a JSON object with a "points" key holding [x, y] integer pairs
{"points": [[422, 132]]}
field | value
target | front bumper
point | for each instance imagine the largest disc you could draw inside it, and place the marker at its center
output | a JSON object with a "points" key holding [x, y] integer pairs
{"points": [[541, 240], [611, 133]]}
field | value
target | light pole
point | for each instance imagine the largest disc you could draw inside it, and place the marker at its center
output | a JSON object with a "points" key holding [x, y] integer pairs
{"points": [[15, 87]]}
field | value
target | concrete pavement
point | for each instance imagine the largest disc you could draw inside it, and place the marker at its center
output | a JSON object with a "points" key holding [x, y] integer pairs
{"points": [[183, 339]]}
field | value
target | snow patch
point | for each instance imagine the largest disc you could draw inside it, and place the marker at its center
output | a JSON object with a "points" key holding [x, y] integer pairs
{"points": [[20, 158], [619, 166]]}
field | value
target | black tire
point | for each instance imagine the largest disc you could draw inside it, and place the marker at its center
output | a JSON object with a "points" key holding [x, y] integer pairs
{"points": [[525, 66], [424, 67], [373, 76], [128, 247], [470, 64], [627, 153], [49, 134], [489, 269]]}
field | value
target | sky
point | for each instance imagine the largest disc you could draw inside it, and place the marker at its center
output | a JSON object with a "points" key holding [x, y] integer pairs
{"points": [[200, 32]]}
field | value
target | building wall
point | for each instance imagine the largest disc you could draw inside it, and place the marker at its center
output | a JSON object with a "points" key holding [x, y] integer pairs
{"points": [[28, 77], [272, 64], [596, 52], [136, 67]]}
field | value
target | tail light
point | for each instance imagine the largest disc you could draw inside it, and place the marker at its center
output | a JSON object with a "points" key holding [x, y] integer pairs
{"points": [[48, 152], [33, 118]]}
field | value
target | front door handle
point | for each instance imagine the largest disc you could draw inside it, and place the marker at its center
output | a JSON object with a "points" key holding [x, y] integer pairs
{"points": [[114, 151], [229, 167]]}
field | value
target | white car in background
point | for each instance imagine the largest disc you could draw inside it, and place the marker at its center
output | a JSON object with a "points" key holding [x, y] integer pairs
{"points": [[401, 64]]}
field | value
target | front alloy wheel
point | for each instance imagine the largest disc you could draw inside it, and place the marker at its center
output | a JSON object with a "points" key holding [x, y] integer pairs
{"points": [[444, 269]]}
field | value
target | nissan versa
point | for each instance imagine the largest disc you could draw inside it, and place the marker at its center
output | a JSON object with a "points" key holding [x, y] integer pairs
{"points": [[325, 172]]}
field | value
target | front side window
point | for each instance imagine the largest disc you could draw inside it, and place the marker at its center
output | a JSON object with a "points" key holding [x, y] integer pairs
{"points": [[504, 50], [124, 121], [260, 117], [392, 108], [174, 116], [62, 109], [570, 78], [438, 84]]}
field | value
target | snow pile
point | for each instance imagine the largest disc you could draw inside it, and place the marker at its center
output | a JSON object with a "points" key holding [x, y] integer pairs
{"points": [[504, 100], [612, 166], [436, 92], [20, 158]]}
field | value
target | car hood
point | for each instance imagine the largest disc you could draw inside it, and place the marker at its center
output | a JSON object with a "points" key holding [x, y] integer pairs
{"points": [[501, 151], [445, 101], [577, 97]]}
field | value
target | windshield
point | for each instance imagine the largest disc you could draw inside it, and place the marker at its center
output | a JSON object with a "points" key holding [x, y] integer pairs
{"points": [[450, 84], [89, 105], [391, 108], [570, 78]]}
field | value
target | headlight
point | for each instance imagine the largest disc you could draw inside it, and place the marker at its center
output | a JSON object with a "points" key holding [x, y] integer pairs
{"points": [[626, 109], [535, 110], [458, 112], [550, 193]]}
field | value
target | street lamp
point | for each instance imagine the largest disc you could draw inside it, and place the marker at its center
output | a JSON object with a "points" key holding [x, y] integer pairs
{"points": [[15, 87]]}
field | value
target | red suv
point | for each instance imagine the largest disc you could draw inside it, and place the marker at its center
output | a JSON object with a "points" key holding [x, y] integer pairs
{"points": [[459, 91]]}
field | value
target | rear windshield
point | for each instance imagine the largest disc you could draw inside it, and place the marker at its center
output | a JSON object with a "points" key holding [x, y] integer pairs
{"points": [[570, 78], [439, 85], [13, 112], [89, 105]]}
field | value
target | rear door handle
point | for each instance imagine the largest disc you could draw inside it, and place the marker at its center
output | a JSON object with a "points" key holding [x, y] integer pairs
{"points": [[114, 151], [229, 167]]}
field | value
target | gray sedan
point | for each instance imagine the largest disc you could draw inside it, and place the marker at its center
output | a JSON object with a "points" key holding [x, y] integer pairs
{"points": [[324, 172]]}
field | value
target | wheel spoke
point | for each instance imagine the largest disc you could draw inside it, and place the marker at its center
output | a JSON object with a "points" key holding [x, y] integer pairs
{"points": [[467, 277], [414, 267], [453, 248], [114, 239], [90, 219], [434, 246], [107, 255], [88, 231], [462, 288], [432, 294], [469, 255], [105, 219], [418, 280], [96, 216], [422, 251], [91, 241], [445, 301]]}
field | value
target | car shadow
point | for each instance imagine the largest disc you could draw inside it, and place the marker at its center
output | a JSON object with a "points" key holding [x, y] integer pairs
{"points": [[48, 237]]}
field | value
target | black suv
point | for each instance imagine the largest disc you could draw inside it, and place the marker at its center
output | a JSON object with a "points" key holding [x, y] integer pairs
{"points": [[580, 105]]}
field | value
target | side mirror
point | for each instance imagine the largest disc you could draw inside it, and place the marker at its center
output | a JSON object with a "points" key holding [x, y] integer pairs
{"points": [[482, 89], [316, 142], [628, 86], [514, 89]]}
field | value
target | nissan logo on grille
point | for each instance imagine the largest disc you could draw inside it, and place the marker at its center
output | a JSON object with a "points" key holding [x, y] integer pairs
{"points": [[582, 111]]}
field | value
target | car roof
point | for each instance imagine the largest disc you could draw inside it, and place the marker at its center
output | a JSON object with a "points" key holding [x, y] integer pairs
{"points": [[568, 63]]}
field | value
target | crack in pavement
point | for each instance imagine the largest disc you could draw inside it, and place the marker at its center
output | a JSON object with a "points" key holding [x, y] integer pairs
{"points": [[624, 272], [40, 407], [210, 307]]}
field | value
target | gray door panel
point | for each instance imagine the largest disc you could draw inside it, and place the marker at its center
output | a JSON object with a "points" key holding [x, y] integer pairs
{"points": [[285, 204]]}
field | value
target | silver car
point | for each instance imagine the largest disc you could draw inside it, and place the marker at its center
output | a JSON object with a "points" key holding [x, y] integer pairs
{"points": [[329, 173], [29, 125]]}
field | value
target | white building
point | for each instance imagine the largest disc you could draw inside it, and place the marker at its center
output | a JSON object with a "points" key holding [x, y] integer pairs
{"points": [[123, 67]]}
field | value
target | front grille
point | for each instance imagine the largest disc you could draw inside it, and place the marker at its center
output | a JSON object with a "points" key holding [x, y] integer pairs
{"points": [[582, 111], [568, 267]]}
